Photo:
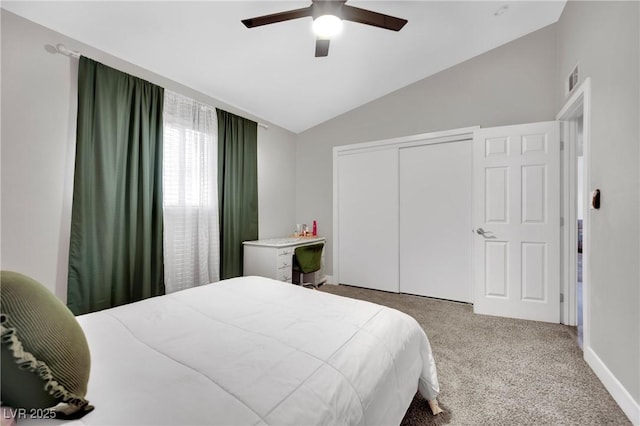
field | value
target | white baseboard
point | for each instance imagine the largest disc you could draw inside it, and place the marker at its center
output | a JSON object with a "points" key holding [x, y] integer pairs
{"points": [[329, 279], [624, 399]]}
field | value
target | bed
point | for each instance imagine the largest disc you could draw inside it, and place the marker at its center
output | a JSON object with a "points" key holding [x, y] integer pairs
{"points": [[254, 351]]}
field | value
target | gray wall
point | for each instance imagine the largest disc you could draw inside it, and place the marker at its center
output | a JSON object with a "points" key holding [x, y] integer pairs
{"points": [[603, 37], [39, 92], [511, 84]]}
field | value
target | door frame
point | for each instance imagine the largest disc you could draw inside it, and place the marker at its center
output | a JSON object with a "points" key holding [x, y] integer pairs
{"points": [[577, 105]]}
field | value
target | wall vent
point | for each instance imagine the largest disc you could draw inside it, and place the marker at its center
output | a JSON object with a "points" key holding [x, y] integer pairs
{"points": [[572, 80]]}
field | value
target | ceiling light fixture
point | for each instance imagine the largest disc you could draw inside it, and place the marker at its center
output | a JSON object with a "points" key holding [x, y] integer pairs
{"points": [[326, 26]]}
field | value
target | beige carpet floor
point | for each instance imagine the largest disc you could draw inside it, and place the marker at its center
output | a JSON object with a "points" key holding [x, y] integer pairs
{"points": [[500, 371]]}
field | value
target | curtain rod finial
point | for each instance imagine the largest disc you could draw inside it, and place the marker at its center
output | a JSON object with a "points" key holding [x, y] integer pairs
{"points": [[62, 49]]}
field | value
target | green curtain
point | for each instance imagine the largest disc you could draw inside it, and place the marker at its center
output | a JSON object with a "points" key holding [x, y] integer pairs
{"points": [[237, 189], [115, 253]]}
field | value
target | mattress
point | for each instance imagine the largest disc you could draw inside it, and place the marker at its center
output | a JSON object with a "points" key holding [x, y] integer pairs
{"points": [[254, 351]]}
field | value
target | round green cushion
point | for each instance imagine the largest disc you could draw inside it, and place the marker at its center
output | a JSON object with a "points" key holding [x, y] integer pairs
{"points": [[45, 355]]}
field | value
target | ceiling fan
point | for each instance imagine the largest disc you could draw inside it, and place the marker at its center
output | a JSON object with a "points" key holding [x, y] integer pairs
{"points": [[327, 20]]}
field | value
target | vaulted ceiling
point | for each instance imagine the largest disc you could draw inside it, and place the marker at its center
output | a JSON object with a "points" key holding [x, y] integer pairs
{"points": [[271, 71]]}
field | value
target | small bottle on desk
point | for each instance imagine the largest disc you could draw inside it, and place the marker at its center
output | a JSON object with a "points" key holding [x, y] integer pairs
{"points": [[315, 228]]}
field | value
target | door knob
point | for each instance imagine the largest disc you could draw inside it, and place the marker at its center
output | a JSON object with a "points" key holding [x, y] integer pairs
{"points": [[486, 234]]}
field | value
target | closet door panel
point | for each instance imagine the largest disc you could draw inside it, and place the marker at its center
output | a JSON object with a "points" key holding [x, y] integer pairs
{"points": [[435, 220], [368, 219]]}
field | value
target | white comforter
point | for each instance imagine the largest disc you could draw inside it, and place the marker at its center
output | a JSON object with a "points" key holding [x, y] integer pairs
{"points": [[254, 351]]}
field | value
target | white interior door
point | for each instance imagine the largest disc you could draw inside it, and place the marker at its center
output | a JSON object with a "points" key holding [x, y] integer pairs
{"points": [[368, 219], [516, 213], [435, 219]]}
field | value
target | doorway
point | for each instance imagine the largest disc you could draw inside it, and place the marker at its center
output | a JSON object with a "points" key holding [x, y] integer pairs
{"points": [[579, 202], [576, 115]]}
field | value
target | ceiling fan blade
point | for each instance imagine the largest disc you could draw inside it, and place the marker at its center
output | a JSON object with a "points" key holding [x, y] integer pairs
{"points": [[278, 17], [369, 17], [322, 47]]}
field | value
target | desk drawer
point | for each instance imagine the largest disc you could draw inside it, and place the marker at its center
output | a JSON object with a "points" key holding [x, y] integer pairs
{"points": [[284, 274], [285, 252], [285, 262], [285, 258]]}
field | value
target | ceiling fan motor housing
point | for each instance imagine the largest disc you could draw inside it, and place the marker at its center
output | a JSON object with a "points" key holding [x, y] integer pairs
{"points": [[337, 8], [320, 8]]}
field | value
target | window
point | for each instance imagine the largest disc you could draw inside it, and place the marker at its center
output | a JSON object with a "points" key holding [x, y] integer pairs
{"points": [[186, 170], [190, 193]]}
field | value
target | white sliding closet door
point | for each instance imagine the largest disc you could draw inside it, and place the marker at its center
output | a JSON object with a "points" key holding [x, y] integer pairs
{"points": [[368, 219], [435, 220]]}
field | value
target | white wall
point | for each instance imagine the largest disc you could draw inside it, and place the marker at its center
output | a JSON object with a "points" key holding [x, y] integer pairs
{"points": [[39, 99], [604, 38], [506, 85], [276, 182]]}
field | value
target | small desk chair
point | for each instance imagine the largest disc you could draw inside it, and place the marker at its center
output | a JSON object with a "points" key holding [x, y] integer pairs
{"points": [[306, 260]]}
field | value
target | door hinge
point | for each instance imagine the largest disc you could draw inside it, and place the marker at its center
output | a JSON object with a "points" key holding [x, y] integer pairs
{"points": [[561, 145], [562, 221], [561, 297]]}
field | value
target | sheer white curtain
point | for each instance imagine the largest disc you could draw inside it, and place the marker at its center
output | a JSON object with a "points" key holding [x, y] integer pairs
{"points": [[190, 192]]}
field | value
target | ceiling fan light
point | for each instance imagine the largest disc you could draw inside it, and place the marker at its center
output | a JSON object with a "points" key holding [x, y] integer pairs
{"points": [[326, 26]]}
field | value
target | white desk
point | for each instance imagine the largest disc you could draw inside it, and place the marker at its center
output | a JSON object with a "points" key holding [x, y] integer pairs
{"points": [[273, 258]]}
